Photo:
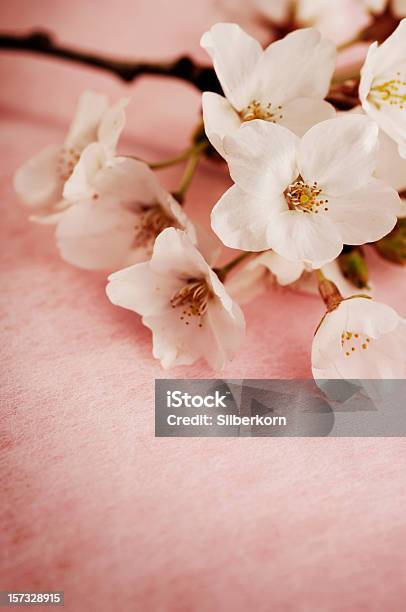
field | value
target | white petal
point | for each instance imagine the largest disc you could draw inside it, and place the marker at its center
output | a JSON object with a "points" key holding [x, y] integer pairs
{"points": [[38, 181], [207, 243], [262, 158], [367, 214], [83, 129], [129, 180], [241, 220], [304, 237], [51, 216], [299, 65], [384, 356], [285, 271], [234, 54], [81, 184], [95, 236], [340, 154], [112, 124], [137, 288], [247, 284], [175, 255], [228, 331], [391, 168], [300, 114], [391, 54], [219, 119]]}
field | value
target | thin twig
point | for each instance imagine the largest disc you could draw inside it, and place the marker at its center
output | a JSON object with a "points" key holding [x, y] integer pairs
{"points": [[184, 68]]}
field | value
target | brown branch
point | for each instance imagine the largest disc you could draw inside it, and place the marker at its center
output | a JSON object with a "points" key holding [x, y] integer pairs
{"points": [[184, 68]]}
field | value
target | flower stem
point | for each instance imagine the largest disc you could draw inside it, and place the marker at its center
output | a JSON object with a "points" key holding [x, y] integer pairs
{"points": [[349, 43], [172, 161], [194, 156], [184, 68], [224, 271]]}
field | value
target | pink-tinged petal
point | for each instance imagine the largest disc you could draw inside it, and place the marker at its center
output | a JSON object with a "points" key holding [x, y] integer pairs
{"points": [[207, 243], [369, 317], [112, 124], [391, 167], [128, 180], [308, 238], [83, 129], [241, 220], [95, 236], [262, 158], [366, 215], [137, 288], [181, 220], [216, 337], [300, 114], [375, 348], [81, 183], [285, 271], [175, 255], [326, 347], [340, 154], [228, 332], [235, 55], [50, 216], [247, 283], [38, 182], [220, 119], [299, 65]]}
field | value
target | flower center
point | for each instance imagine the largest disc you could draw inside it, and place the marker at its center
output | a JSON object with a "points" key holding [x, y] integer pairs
{"points": [[354, 341], [392, 92], [150, 223], [255, 110], [305, 197], [193, 300], [68, 158]]}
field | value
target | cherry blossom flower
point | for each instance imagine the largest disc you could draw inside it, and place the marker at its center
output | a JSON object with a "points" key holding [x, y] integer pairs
{"points": [[398, 7], [182, 301], [262, 271], [40, 181], [117, 209], [360, 338], [269, 268], [304, 198], [339, 20], [284, 84], [383, 85]]}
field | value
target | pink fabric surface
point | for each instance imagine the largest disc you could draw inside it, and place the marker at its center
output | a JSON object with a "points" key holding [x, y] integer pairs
{"points": [[91, 502]]}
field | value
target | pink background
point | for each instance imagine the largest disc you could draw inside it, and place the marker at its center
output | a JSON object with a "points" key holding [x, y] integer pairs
{"points": [[91, 502]]}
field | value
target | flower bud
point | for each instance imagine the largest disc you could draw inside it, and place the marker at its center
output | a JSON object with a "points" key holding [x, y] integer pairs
{"points": [[354, 266], [330, 294], [393, 246]]}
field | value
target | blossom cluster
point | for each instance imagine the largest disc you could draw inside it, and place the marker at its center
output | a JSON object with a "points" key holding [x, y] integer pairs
{"points": [[312, 184]]}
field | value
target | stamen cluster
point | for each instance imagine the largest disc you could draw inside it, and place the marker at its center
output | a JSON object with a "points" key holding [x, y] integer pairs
{"points": [[303, 196], [193, 298]]}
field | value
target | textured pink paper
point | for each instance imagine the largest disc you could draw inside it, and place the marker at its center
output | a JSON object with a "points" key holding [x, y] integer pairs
{"points": [[91, 502]]}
